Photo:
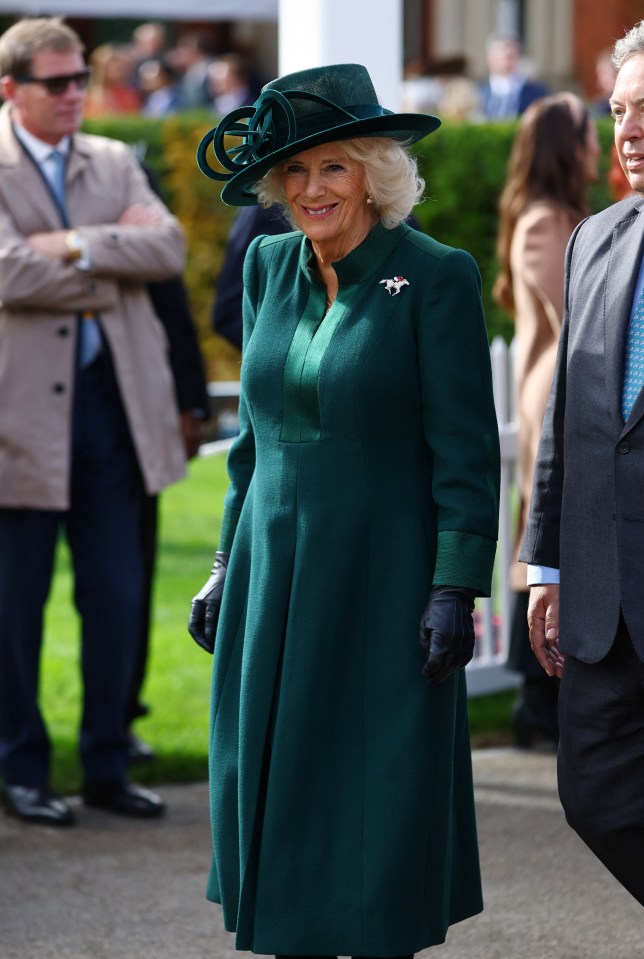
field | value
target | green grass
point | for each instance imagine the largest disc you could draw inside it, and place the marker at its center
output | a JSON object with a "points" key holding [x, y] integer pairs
{"points": [[178, 681]]}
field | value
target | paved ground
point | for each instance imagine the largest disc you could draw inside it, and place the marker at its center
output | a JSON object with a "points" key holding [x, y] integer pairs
{"points": [[116, 889]]}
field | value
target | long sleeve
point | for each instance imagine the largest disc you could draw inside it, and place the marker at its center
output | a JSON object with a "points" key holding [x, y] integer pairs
{"points": [[241, 458], [460, 423]]}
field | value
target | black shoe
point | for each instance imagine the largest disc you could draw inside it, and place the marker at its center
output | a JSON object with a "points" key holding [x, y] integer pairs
{"points": [[138, 751], [38, 804], [124, 798]]}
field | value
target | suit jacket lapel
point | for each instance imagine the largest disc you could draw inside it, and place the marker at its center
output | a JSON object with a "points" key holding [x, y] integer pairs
{"points": [[624, 260]]}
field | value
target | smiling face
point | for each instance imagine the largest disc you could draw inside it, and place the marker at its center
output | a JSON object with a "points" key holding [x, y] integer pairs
{"points": [[327, 197], [627, 103], [46, 116]]}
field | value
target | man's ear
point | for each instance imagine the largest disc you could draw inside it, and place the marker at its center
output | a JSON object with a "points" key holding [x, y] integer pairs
{"points": [[7, 87]]}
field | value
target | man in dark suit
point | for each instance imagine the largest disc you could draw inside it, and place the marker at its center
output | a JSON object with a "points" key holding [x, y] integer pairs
{"points": [[585, 535], [507, 92], [172, 307]]}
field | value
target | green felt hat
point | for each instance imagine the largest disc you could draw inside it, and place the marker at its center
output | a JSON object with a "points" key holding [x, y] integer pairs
{"points": [[297, 112]]}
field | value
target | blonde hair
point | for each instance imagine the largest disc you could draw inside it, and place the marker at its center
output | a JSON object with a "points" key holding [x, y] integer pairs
{"points": [[390, 172]]}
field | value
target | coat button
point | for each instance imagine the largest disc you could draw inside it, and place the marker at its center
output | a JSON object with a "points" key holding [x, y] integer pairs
{"points": [[63, 331], [58, 388], [624, 448]]}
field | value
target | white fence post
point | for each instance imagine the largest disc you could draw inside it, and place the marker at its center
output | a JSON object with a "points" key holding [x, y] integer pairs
{"points": [[487, 672]]}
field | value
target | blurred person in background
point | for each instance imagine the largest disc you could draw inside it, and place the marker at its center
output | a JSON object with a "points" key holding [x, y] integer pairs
{"points": [[249, 222], [442, 86], [554, 158], [232, 83], [111, 88], [507, 92], [149, 41], [605, 74], [191, 58], [172, 307], [159, 83]]}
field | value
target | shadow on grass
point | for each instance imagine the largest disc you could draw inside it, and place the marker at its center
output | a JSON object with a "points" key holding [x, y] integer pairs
{"points": [[167, 767]]}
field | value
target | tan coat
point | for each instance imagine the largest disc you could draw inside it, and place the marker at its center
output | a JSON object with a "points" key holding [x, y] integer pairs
{"points": [[40, 299], [537, 261]]}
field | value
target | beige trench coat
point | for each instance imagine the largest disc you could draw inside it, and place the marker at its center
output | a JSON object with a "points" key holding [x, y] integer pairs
{"points": [[537, 260], [40, 299]]}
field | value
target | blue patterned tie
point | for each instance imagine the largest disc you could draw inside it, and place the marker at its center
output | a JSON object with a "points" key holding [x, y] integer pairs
{"points": [[90, 338], [634, 365]]}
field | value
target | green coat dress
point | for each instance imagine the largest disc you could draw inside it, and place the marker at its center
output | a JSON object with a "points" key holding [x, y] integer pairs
{"points": [[366, 469]]}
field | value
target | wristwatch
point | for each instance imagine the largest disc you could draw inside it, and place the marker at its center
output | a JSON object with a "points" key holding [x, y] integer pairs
{"points": [[75, 245]]}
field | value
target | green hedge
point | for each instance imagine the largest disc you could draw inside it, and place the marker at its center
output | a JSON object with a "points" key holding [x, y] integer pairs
{"points": [[464, 166]]}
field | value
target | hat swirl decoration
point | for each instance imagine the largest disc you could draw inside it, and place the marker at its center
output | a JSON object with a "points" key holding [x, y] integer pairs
{"points": [[262, 132], [294, 113]]}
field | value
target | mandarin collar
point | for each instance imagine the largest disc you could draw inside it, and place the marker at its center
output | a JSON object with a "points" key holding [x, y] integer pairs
{"points": [[362, 262]]}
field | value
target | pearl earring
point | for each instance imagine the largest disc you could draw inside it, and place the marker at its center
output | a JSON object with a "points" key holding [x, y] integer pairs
{"points": [[369, 199]]}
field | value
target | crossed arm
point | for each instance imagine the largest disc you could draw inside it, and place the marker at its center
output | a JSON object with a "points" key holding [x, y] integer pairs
{"points": [[53, 243]]}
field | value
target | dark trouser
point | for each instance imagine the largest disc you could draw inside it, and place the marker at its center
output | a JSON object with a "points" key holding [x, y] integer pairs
{"points": [[102, 529], [149, 517], [601, 758]]}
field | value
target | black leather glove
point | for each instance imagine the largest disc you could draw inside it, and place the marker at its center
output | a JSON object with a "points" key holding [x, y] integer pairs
{"points": [[204, 612], [447, 631]]}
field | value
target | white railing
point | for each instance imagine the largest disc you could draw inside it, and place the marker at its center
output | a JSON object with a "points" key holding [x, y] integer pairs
{"points": [[486, 672]]}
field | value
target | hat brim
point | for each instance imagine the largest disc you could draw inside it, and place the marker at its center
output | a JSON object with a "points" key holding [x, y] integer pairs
{"points": [[406, 127]]}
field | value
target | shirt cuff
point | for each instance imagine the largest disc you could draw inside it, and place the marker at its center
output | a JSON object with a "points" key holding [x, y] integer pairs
{"points": [[540, 575]]}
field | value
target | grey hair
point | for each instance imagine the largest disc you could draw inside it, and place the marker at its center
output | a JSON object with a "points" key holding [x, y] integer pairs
{"points": [[391, 179], [629, 46]]}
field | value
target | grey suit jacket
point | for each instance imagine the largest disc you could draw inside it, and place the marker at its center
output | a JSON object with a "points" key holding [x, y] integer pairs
{"points": [[587, 508]]}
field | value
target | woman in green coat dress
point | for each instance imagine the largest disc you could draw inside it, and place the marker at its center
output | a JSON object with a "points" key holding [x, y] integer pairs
{"points": [[361, 516]]}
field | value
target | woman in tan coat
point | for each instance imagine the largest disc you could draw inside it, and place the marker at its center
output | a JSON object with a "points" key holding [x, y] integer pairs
{"points": [[553, 158]]}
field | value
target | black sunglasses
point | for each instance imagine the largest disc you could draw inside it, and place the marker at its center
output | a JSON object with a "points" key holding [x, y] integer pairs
{"points": [[56, 86]]}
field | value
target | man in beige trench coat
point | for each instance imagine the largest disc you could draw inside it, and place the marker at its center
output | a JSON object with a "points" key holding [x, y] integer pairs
{"points": [[88, 417]]}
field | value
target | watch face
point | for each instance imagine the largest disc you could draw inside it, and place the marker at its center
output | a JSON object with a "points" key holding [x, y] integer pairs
{"points": [[74, 245]]}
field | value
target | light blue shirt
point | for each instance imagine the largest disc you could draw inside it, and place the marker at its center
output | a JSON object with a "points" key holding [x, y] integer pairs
{"points": [[41, 151]]}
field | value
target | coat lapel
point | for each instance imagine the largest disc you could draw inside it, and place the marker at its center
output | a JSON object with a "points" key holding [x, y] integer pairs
{"points": [[78, 162], [624, 261], [21, 175]]}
